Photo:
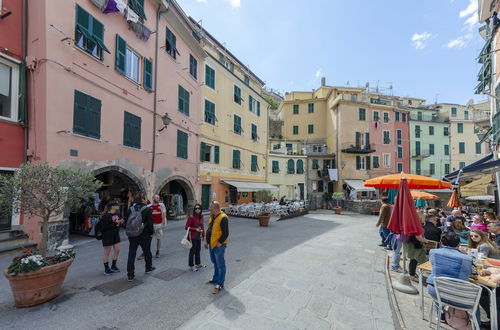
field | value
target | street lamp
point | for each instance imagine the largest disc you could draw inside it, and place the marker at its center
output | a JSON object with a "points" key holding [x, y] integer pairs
{"points": [[166, 121]]}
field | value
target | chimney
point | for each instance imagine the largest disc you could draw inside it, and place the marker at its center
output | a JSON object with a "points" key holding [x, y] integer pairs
{"points": [[323, 82]]}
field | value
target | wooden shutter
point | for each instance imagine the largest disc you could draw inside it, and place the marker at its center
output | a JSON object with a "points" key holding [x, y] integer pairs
{"points": [[358, 162], [358, 139], [300, 166], [202, 151], [250, 103], [121, 49], [80, 114], [132, 130], [148, 75], [258, 108], [236, 159], [367, 139], [94, 117], [83, 21], [291, 166], [253, 160], [216, 154], [367, 162], [254, 132]]}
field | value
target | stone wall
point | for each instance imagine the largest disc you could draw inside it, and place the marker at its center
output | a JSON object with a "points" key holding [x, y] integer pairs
{"points": [[361, 206]]}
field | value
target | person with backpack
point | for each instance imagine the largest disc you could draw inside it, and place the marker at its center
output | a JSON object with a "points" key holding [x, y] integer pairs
{"points": [[140, 231], [108, 230], [159, 212]]}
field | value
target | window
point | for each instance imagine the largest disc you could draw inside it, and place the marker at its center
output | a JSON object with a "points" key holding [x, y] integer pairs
{"points": [[317, 148], [291, 166], [400, 167], [138, 7], [446, 168], [276, 166], [461, 147], [87, 115], [376, 161], [461, 165], [418, 166], [310, 108], [132, 60], [386, 117], [417, 148], [376, 116], [446, 131], [431, 149], [253, 105], [397, 115], [362, 114], [466, 115], [209, 77], [354, 97], [446, 150], [276, 146], [419, 115], [300, 166], [431, 130], [127, 62], [295, 130], [478, 148], [182, 144], [403, 117], [400, 152], [237, 95], [183, 101], [310, 129], [453, 112], [193, 66], [89, 34], [171, 44], [209, 112], [387, 160], [289, 147], [246, 79], [432, 168], [315, 164], [9, 90], [460, 128], [417, 131], [236, 159], [209, 153], [387, 137], [320, 186], [237, 125], [295, 109], [254, 166], [399, 138], [132, 130], [254, 132]]}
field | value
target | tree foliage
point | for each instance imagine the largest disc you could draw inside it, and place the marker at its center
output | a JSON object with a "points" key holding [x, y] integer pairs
{"points": [[274, 104]]}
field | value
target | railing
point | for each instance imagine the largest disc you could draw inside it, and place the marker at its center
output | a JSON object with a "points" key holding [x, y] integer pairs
{"points": [[432, 119], [363, 98], [421, 154], [357, 149], [482, 115], [318, 151]]}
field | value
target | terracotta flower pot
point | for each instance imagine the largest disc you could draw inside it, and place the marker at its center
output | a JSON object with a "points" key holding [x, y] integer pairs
{"points": [[264, 220], [30, 289], [337, 210]]}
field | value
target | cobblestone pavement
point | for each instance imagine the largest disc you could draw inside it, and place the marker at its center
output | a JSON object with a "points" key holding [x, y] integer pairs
{"points": [[319, 271]]}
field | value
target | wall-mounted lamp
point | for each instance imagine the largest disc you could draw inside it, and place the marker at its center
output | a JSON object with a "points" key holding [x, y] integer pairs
{"points": [[166, 121]]}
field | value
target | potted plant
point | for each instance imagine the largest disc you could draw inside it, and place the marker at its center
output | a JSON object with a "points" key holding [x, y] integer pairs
{"points": [[264, 196], [39, 190], [337, 196]]}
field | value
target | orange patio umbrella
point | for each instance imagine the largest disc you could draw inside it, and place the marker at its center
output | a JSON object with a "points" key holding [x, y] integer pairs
{"points": [[414, 181], [454, 201], [422, 195]]}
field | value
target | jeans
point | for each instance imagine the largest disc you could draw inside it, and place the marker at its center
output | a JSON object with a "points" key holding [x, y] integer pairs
{"points": [[217, 258], [144, 241], [384, 232], [194, 252], [396, 255]]}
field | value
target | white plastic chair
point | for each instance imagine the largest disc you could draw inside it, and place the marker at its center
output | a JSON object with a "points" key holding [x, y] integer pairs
{"points": [[457, 293]]}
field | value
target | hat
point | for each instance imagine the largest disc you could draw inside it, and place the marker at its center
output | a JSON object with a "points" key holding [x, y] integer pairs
{"points": [[113, 203]]}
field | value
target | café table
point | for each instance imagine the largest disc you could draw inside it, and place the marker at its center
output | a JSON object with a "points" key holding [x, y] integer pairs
{"points": [[483, 281]]}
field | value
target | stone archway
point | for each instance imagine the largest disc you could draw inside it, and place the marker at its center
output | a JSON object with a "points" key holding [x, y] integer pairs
{"points": [[177, 185], [113, 168]]}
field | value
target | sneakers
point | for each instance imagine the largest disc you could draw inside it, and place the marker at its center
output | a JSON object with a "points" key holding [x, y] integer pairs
{"points": [[398, 270], [115, 269], [130, 278], [382, 245], [108, 271], [150, 270], [140, 257], [194, 269], [210, 282], [157, 255], [201, 266], [218, 288]]}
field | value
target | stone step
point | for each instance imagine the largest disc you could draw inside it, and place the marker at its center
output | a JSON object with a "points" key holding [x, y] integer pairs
{"points": [[13, 240]]}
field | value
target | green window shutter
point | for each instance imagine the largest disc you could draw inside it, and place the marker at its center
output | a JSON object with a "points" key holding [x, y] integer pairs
{"points": [[376, 162], [461, 147], [250, 103], [236, 159], [362, 114], [183, 101], [80, 114], [358, 162], [300, 166], [315, 164], [375, 116], [254, 164], [460, 128], [171, 41], [138, 7], [193, 66], [478, 147], [291, 166], [431, 148], [148, 75], [94, 117], [121, 49], [209, 112], [276, 166], [237, 94], [132, 130], [182, 144], [237, 125], [258, 108], [295, 130], [202, 151], [209, 77], [254, 132], [295, 109], [216, 154], [83, 19], [367, 162], [310, 129]]}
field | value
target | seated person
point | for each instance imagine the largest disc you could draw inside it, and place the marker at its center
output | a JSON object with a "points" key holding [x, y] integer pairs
{"points": [[479, 240], [490, 217], [448, 261], [431, 231], [478, 223], [455, 213], [494, 228], [462, 232]]}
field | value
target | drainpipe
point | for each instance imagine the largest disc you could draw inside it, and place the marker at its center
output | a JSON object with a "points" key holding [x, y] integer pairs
{"points": [[23, 85]]}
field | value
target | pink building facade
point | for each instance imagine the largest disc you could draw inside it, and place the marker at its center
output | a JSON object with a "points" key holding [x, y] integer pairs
{"points": [[104, 82]]}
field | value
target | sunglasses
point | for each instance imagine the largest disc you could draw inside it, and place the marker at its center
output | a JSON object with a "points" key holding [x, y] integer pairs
{"points": [[197, 208], [475, 236]]}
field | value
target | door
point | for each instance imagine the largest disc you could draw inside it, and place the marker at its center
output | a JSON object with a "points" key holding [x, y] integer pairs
{"points": [[233, 195], [5, 220], [205, 196], [301, 191]]}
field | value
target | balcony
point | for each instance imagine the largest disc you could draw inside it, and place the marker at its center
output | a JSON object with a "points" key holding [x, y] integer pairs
{"points": [[317, 150], [421, 154], [358, 149], [430, 119], [323, 173]]}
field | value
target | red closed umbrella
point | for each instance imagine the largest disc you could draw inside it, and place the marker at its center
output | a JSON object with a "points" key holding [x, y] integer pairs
{"points": [[404, 218]]}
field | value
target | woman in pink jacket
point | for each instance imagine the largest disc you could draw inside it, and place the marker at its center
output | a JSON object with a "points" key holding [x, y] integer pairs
{"points": [[196, 233], [478, 223]]}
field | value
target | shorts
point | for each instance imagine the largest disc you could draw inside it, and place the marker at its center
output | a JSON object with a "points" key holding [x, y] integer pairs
{"points": [[111, 238], [158, 230]]}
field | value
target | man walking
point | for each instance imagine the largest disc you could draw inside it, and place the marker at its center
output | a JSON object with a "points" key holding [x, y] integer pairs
{"points": [[159, 220], [383, 219], [143, 240], [216, 240]]}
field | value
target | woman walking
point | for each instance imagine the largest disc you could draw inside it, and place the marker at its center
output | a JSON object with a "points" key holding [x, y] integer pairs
{"points": [[196, 232], [110, 227]]}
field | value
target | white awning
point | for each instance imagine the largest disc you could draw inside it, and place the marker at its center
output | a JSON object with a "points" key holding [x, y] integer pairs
{"points": [[358, 185], [481, 198], [249, 186]]}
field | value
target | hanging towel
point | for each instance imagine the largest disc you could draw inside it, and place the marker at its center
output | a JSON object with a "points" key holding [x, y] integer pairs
{"points": [[136, 27], [132, 16], [145, 33], [121, 6], [101, 4], [110, 7]]}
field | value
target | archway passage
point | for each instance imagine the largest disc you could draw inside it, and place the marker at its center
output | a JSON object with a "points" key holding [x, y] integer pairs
{"points": [[178, 196], [117, 186]]}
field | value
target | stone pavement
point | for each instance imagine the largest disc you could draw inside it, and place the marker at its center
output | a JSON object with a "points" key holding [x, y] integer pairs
{"points": [[333, 281]]}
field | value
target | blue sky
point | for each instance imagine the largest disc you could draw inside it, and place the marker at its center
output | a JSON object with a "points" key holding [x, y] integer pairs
{"points": [[424, 48]]}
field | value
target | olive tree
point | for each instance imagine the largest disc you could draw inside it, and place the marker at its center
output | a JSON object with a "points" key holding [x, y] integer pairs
{"points": [[44, 191]]}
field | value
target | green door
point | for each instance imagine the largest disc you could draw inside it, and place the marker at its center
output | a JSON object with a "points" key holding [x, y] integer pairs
{"points": [[205, 196]]}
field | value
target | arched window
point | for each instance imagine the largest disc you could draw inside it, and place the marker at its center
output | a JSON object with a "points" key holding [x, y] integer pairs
{"points": [[291, 166], [300, 166]]}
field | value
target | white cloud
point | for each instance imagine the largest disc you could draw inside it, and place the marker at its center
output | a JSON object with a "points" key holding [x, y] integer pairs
{"points": [[318, 73], [456, 43], [420, 40], [471, 21], [235, 3], [201, 1], [471, 9]]}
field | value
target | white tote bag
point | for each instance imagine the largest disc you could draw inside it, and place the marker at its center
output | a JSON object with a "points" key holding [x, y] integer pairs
{"points": [[186, 242]]}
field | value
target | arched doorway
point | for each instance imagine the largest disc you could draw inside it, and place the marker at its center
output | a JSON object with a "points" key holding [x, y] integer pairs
{"points": [[178, 196]]}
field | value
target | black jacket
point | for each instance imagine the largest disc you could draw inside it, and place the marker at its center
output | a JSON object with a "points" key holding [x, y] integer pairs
{"points": [[432, 232], [147, 218]]}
